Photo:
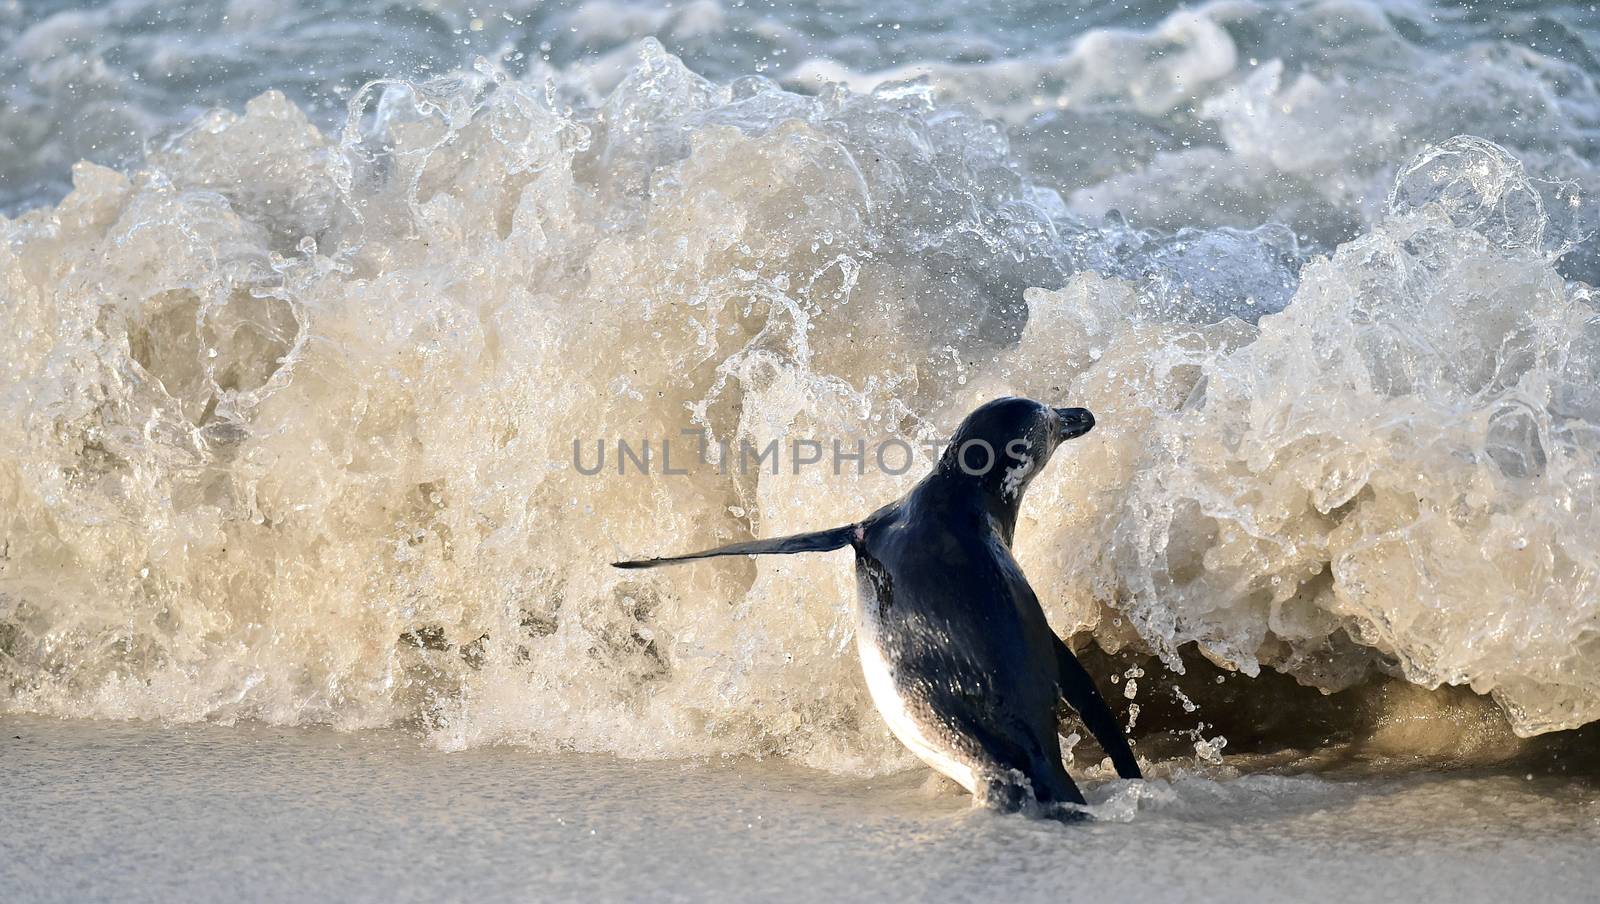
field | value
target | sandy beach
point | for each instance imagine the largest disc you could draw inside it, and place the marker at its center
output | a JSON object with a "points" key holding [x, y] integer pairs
{"points": [[138, 812]]}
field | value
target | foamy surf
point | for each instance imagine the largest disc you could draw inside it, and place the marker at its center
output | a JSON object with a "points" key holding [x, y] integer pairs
{"points": [[288, 413]]}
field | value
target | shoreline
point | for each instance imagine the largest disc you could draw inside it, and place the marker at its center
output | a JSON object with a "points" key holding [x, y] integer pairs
{"points": [[133, 811]]}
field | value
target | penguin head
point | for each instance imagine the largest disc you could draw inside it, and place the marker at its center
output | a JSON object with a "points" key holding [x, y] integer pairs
{"points": [[1004, 443]]}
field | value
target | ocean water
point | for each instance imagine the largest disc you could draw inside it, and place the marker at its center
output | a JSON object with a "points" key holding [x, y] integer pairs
{"points": [[317, 314]]}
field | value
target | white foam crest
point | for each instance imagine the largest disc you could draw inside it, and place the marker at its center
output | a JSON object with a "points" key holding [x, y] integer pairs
{"points": [[1396, 472], [287, 423]]}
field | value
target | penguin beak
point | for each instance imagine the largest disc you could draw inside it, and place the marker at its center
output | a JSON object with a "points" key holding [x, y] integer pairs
{"points": [[1075, 422]]}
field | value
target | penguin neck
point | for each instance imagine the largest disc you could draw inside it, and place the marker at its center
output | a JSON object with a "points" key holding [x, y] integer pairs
{"points": [[964, 495]]}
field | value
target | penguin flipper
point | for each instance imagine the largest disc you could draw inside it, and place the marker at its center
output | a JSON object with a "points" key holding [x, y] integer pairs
{"points": [[1081, 694], [816, 541]]}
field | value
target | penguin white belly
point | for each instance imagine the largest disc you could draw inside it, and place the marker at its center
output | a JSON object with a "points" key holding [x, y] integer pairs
{"points": [[886, 696]]}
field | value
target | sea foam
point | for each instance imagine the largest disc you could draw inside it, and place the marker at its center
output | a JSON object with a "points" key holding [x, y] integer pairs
{"points": [[287, 417]]}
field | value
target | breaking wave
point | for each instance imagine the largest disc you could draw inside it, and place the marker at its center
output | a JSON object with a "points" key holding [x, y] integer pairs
{"points": [[287, 415]]}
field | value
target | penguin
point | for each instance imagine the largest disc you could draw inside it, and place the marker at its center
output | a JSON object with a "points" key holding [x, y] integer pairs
{"points": [[956, 652]]}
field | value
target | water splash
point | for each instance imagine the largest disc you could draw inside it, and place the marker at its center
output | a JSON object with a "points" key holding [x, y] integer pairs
{"points": [[286, 423], [1395, 473]]}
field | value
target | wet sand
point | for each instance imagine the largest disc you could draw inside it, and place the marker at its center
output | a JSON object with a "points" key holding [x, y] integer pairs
{"points": [[141, 812]]}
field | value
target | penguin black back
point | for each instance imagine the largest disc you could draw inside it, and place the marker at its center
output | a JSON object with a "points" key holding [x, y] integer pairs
{"points": [[955, 648]]}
